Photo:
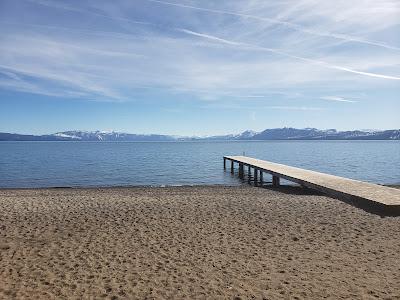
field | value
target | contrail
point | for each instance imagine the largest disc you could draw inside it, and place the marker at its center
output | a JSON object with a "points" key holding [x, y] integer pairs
{"points": [[364, 73], [296, 27], [310, 60], [210, 37]]}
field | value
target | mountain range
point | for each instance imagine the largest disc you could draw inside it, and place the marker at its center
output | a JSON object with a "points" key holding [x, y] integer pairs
{"points": [[268, 134]]}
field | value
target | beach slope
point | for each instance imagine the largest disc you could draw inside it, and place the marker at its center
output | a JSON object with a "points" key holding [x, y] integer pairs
{"points": [[193, 242]]}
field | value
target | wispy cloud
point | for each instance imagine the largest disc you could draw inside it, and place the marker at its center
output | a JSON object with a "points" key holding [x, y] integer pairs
{"points": [[300, 108], [310, 60], [290, 25], [240, 51], [337, 99], [250, 96], [63, 85], [85, 11]]}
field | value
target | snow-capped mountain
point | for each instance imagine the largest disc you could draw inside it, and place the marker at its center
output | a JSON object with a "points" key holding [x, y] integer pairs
{"points": [[330, 134], [110, 136], [245, 135], [268, 134]]}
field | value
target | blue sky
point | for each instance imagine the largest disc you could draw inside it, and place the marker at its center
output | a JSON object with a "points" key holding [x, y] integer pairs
{"points": [[198, 67]]}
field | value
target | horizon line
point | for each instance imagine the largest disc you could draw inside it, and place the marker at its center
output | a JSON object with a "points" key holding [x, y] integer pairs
{"points": [[198, 136]]}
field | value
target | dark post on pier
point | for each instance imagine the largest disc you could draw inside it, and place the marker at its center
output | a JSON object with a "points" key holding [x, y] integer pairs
{"points": [[360, 193]]}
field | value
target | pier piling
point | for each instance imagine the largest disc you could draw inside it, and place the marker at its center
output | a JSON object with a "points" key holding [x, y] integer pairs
{"points": [[241, 171], [276, 181], [375, 197]]}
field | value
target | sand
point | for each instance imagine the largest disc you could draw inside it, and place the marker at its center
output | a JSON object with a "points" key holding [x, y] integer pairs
{"points": [[193, 243]]}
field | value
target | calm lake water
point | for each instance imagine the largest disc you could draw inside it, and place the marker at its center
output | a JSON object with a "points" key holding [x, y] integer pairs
{"points": [[51, 164]]}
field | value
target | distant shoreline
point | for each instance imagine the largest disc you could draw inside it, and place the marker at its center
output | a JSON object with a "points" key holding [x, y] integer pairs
{"points": [[206, 140], [286, 133]]}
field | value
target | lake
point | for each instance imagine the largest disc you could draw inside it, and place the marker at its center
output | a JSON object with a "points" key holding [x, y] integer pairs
{"points": [[88, 164]]}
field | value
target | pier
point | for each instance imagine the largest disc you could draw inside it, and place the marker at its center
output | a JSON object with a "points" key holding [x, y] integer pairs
{"points": [[371, 197]]}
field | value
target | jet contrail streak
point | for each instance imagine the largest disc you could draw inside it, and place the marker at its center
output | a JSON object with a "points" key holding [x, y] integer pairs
{"points": [[293, 26], [310, 60]]}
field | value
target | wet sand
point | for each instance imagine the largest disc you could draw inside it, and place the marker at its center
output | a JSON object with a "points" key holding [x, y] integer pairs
{"points": [[193, 243]]}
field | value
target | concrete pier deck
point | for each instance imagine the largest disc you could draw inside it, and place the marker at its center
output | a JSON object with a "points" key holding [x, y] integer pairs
{"points": [[362, 194]]}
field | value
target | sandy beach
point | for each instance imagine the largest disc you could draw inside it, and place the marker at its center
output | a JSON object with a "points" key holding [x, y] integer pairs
{"points": [[193, 243]]}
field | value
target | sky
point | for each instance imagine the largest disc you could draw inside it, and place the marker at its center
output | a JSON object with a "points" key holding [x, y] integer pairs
{"points": [[198, 67]]}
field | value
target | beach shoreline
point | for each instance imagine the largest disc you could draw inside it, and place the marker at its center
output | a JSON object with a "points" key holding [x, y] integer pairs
{"points": [[96, 187], [193, 242]]}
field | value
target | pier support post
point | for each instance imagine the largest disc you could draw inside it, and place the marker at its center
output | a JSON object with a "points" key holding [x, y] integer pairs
{"points": [[232, 166], [224, 163], [255, 176], [261, 178], [241, 171], [248, 173], [275, 181]]}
